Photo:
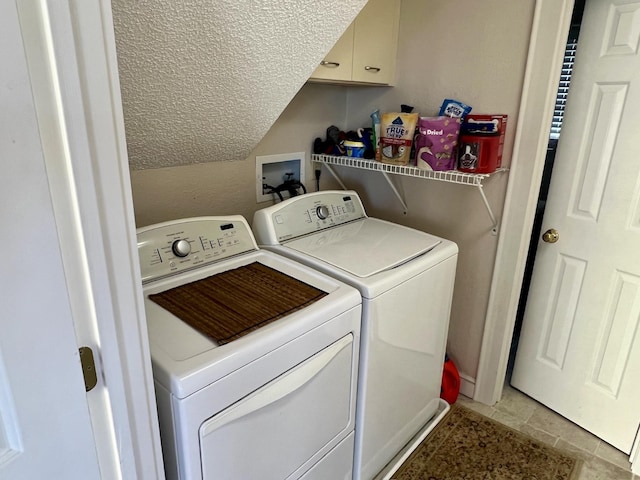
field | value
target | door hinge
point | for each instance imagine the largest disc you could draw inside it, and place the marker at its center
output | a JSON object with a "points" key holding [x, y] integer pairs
{"points": [[88, 368]]}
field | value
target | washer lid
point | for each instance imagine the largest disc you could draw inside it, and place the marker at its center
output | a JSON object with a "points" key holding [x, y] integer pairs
{"points": [[365, 247]]}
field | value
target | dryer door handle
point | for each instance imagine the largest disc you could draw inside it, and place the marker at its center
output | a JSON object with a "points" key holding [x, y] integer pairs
{"points": [[277, 388]]}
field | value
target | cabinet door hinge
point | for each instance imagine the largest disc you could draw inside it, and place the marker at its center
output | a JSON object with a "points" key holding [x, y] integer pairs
{"points": [[88, 368]]}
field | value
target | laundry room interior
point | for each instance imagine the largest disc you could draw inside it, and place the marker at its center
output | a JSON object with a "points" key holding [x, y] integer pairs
{"points": [[207, 93], [219, 273], [440, 54]]}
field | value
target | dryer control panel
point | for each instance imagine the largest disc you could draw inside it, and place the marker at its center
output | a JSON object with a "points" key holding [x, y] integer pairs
{"points": [[306, 214], [172, 247]]}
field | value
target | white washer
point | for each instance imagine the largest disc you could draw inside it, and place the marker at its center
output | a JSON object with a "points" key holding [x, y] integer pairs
{"points": [[277, 403], [406, 281]]}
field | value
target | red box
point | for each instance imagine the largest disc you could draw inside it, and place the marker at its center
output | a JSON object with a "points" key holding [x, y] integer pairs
{"points": [[499, 125], [478, 153]]}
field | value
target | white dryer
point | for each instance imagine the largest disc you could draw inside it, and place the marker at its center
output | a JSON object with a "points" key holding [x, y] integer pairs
{"points": [[254, 356], [406, 281]]}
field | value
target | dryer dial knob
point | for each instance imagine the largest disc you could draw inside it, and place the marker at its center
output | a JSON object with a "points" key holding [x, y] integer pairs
{"points": [[181, 248], [322, 211]]}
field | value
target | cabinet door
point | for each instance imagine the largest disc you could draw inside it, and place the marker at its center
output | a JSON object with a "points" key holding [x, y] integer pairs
{"points": [[375, 42], [337, 64]]}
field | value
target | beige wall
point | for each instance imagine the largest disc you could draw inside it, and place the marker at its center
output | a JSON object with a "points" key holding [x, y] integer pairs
{"points": [[477, 57], [228, 187]]}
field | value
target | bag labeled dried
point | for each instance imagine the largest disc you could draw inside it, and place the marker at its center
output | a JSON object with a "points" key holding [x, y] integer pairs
{"points": [[436, 143]]}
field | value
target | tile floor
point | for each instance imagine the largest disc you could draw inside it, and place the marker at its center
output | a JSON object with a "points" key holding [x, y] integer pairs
{"points": [[518, 411]]}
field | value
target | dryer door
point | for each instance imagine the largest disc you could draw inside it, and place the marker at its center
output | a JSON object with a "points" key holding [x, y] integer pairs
{"points": [[283, 427]]}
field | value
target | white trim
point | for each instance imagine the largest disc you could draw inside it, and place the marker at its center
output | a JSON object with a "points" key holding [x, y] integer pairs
{"points": [[47, 36], [634, 457], [72, 62], [123, 320], [467, 385], [548, 39], [10, 440], [129, 352]]}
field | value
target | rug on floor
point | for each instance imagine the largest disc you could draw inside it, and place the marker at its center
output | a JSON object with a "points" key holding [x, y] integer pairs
{"points": [[469, 446]]}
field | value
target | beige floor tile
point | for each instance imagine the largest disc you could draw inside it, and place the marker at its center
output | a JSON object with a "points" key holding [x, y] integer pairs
{"points": [[550, 422], [481, 408], [539, 435], [595, 468], [516, 404], [613, 455], [507, 419]]}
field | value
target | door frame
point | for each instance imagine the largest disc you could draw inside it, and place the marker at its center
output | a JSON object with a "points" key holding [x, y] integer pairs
{"points": [[552, 19], [71, 56]]}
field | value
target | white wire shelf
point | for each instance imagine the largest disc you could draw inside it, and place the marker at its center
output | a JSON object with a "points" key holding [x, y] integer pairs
{"points": [[450, 176]]}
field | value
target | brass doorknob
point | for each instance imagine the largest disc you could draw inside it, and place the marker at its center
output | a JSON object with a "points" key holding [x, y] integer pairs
{"points": [[550, 236]]}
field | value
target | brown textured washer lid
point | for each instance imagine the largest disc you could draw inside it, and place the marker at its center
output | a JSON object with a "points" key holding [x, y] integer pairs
{"points": [[231, 304]]}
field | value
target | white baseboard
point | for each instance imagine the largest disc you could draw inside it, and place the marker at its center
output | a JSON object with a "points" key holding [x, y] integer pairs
{"points": [[467, 385]]}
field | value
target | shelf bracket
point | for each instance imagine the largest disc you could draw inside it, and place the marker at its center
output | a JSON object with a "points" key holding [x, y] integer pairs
{"points": [[395, 191], [335, 175], [456, 177], [494, 230], [384, 174]]}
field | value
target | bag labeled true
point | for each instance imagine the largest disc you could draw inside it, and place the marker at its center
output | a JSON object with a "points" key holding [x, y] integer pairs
{"points": [[396, 137]]}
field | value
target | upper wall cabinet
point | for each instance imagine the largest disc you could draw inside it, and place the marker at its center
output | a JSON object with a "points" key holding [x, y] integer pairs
{"points": [[366, 52]]}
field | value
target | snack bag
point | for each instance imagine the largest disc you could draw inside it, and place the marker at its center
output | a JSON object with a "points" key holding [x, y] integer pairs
{"points": [[436, 143], [396, 137], [375, 125], [454, 108]]}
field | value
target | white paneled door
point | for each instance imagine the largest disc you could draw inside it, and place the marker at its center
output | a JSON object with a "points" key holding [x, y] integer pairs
{"points": [[45, 427], [579, 351]]}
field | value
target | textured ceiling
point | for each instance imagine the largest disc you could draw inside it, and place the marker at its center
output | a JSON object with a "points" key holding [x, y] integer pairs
{"points": [[204, 80]]}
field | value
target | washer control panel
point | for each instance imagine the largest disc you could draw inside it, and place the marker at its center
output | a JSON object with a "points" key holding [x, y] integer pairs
{"points": [[172, 247], [306, 214]]}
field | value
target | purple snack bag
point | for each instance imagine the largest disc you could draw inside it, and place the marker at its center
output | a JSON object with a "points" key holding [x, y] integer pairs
{"points": [[436, 142]]}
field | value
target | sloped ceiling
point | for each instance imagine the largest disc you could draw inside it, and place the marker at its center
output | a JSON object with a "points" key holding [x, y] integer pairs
{"points": [[204, 80]]}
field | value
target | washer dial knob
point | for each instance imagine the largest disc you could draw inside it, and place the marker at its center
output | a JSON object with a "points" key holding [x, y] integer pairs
{"points": [[181, 248], [322, 211]]}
